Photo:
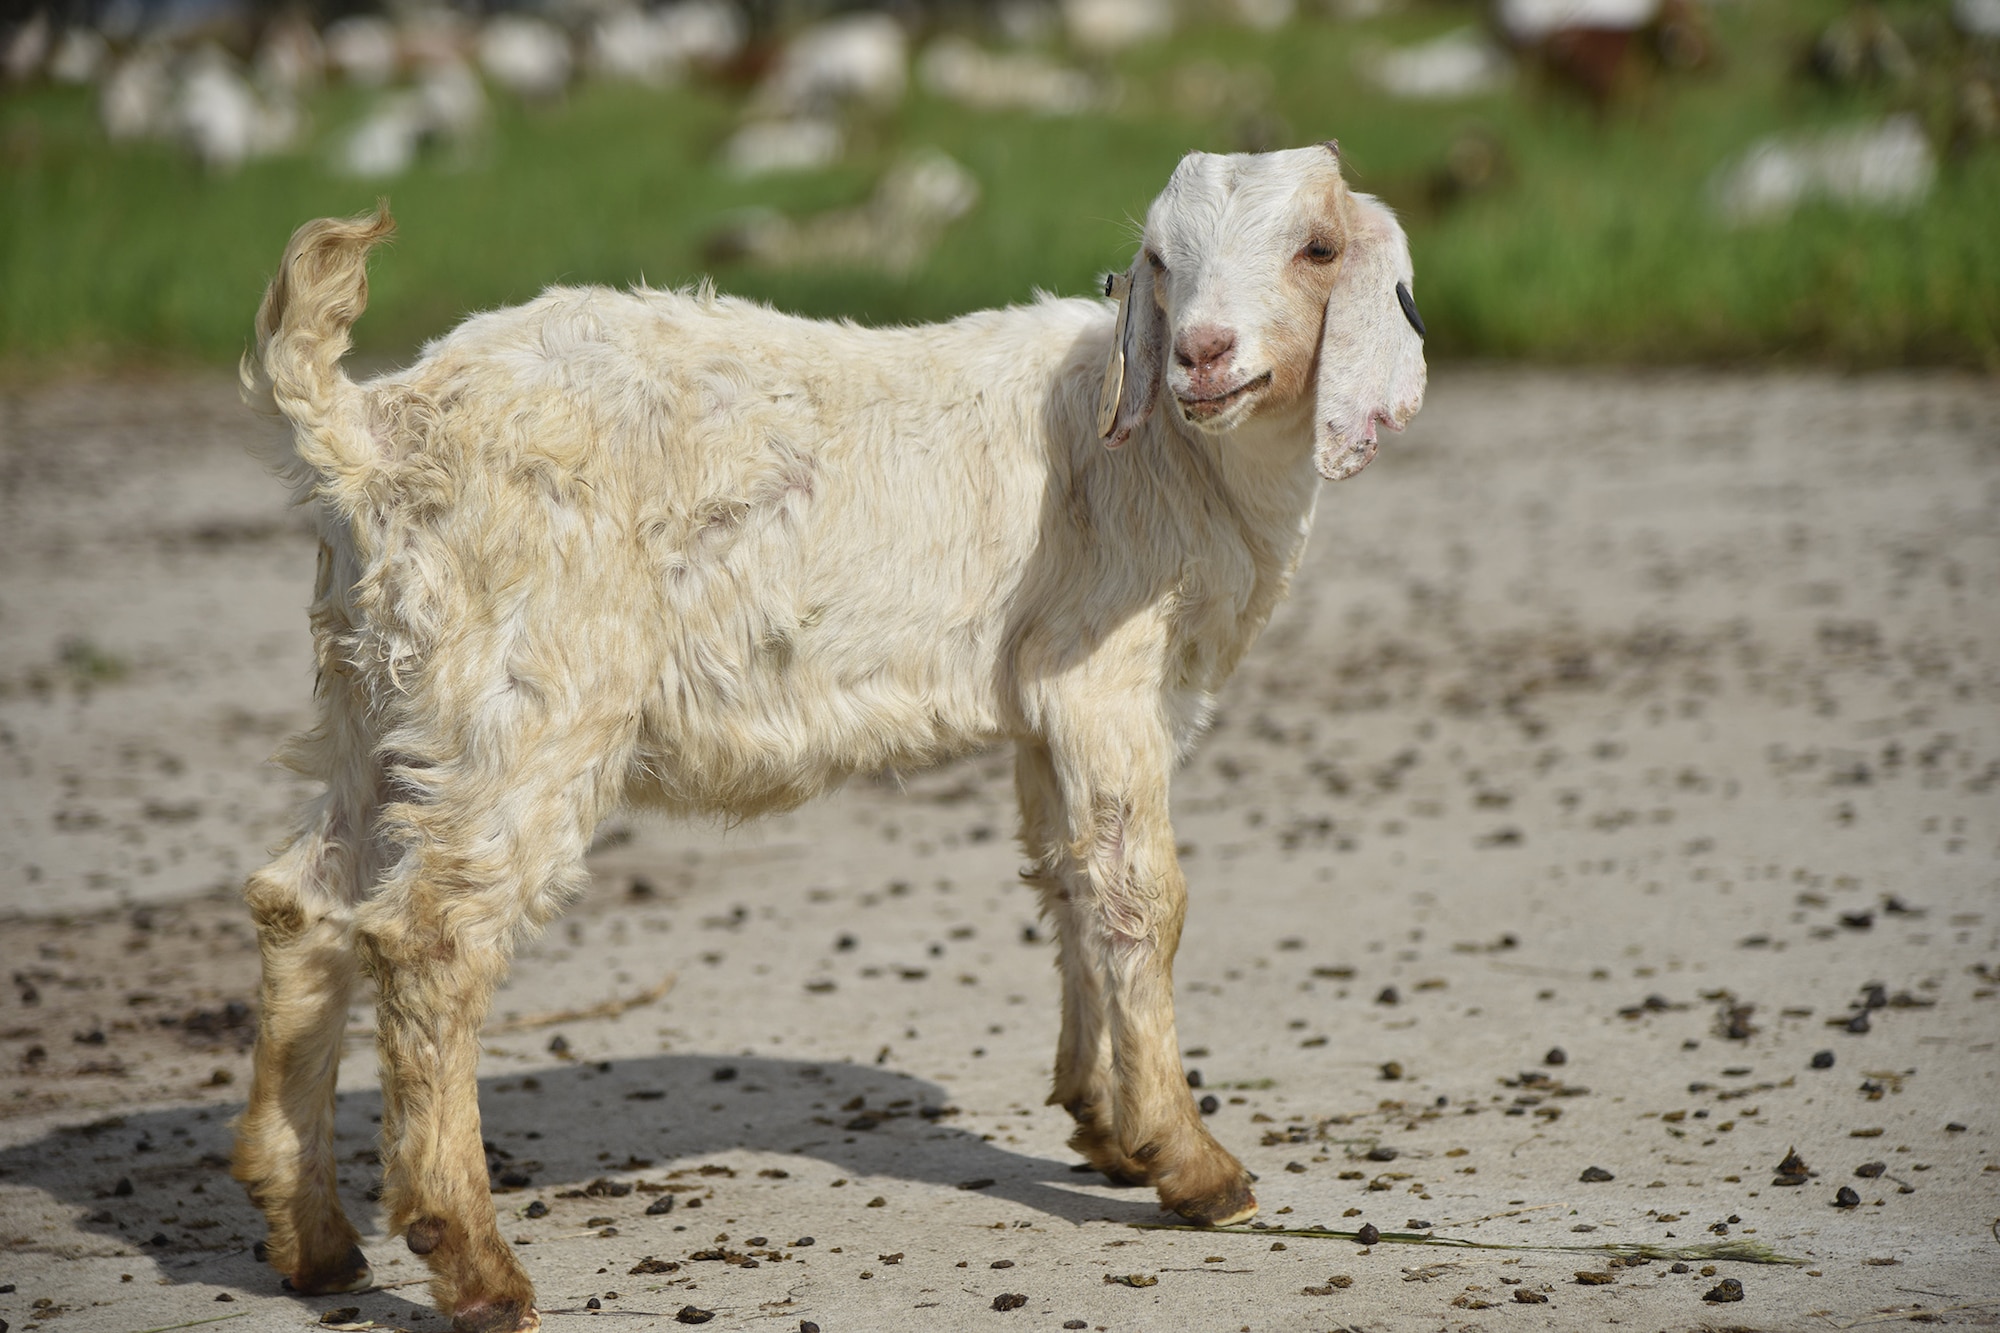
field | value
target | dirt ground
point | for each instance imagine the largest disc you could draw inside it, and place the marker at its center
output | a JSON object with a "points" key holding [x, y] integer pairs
{"points": [[1616, 791]]}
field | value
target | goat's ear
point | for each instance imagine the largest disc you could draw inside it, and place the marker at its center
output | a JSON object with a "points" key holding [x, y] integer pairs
{"points": [[1371, 356], [1138, 355]]}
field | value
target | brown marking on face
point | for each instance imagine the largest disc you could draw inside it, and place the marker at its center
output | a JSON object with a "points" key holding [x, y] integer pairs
{"points": [[1299, 306]]}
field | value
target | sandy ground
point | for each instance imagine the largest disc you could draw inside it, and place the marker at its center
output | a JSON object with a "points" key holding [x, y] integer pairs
{"points": [[1651, 718]]}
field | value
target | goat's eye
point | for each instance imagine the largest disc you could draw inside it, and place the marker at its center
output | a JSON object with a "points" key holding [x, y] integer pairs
{"points": [[1319, 250], [1159, 265]]}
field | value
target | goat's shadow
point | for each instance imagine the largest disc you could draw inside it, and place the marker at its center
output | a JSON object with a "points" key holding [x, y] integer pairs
{"points": [[158, 1180]]}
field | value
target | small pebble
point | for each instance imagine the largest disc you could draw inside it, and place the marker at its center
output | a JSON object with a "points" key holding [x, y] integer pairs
{"points": [[1729, 1289], [693, 1314], [1595, 1174], [1870, 1170], [593, 1304], [1388, 995], [802, 1242], [1526, 1297], [1381, 1154], [1822, 1060], [1586, 1278], [1009, 1300], [1369, 1234], [1001, 1263], [1075, 1323], [1954, 1128], [1194, 1078], [540, 1209], [1858, 1023], [1556, 1056], [663, 1204], [1392, 1071], [1847, 1198], [1210, 1105], [808, 1326]]}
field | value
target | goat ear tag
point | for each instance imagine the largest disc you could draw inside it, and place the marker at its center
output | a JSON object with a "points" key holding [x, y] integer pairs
{"points": [[1409, 304], [1120, 286]]}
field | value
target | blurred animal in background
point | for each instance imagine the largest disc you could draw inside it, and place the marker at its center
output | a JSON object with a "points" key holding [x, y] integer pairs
{"points": [[677, 550], [1606, 49], [893, 232]]}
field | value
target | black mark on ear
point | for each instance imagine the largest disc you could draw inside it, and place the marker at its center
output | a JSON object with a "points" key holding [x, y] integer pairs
{"points": [[1409, 304], [1107, 283], [1331, 146]]}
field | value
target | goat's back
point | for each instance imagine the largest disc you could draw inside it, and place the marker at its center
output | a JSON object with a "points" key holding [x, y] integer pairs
{"points": [[750, 553]]}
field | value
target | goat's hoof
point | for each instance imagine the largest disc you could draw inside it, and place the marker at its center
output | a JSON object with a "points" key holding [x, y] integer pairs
{"points": [[496, 1317], [350, 1274], [1223, 1207]]}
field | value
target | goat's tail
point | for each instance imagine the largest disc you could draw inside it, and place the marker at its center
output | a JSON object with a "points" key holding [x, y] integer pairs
{"points": [[320, 289]]}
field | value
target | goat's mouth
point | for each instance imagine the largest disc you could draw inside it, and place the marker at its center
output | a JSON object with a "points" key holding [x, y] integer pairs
{"points": [[1208, 409]]}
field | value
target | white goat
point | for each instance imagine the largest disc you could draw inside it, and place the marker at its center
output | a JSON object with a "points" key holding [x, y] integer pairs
{"points": [[677, 550]]}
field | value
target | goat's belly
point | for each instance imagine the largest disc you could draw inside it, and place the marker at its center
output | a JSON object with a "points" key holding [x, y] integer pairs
{"points": [[781, 746]]}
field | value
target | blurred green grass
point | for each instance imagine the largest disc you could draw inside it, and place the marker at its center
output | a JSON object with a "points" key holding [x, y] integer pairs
{"points": [[1597, 246]]}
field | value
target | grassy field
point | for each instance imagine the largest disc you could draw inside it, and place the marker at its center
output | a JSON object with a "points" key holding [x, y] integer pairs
{"points": [[1596, 245]]}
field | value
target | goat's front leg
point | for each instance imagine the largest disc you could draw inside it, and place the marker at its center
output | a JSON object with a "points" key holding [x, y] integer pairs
{"points": [[1083, 1077], [1123, 901], [436, 958]]}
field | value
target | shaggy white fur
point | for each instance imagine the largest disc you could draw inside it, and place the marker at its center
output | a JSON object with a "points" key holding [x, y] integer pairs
{"points": [[673, 549]]}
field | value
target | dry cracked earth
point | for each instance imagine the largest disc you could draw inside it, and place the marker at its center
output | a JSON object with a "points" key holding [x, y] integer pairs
{"points": [[1595, 892]]}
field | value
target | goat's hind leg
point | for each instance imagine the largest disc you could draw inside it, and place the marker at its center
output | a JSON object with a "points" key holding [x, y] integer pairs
{"points": [[437, 940], [301, 903]]}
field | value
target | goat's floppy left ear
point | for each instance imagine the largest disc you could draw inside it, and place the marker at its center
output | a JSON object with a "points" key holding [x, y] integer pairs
{"points": [[1138, 357], [1371, 356]]}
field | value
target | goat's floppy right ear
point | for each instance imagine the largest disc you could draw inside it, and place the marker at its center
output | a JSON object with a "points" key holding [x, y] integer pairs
{"points": [[1137, 360], [1371, 356]]}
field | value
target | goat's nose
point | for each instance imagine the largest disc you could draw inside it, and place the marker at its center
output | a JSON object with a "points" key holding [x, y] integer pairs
{"points": [[1205, 347]]}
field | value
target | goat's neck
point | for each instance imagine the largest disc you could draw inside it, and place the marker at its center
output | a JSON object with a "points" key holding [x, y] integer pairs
{"points": [[1265, 468]]}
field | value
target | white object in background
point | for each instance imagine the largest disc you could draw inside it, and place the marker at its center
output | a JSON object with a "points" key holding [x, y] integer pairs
{"points": [[766, 146], [454, 104], [448, 103], [27, 49], [363, 48], [223, 119], [628, 45], [527, 56], [1531, 22], [857, 57], [1266, 15], [290, 59], [135, 97], [79, 56], [955, 68], [705, 32], [1462, 63], [656, 48], [385, 143], [1977, 18], [1103, 26], [1887, 166]]}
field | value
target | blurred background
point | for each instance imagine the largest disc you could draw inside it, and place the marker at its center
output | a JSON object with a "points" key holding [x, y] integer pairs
{"points": [[1582, 180]]}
